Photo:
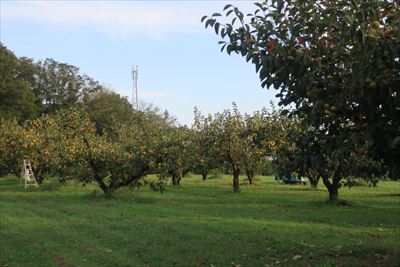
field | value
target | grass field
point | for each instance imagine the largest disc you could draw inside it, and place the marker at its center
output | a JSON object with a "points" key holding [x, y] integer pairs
{"points": [[198, 224]]}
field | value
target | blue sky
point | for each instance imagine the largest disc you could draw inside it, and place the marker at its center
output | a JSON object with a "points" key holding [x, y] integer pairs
{"points": [[180, 63]]}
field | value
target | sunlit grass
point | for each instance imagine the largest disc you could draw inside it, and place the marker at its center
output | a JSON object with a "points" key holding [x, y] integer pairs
{"points": [[202, 223]]}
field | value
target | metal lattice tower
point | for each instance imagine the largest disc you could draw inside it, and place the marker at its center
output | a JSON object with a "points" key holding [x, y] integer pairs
{"points": [[135, 99]]}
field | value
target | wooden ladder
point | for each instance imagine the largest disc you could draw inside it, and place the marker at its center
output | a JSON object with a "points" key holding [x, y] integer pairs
{"points": [[27, 174]]}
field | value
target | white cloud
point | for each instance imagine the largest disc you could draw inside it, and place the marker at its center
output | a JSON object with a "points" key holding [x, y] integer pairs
{"points": [[115, 18]]}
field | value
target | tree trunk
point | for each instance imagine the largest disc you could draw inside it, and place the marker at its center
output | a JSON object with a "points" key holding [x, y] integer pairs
{"points": [[176, 180], [173, 178], [333, 193], [98, 178], [17, 172], [314, 179], [314, 184], [62, 181], [204, 175], [250, 176], [236, 173], [333, 188], [96, 173], [39, 177], [106, 190]]}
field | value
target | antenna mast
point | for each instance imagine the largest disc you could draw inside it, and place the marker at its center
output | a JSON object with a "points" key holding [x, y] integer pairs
{"points": [[135, 99]]}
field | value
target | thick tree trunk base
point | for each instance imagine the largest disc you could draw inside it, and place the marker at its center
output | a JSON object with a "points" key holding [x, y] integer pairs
{"points": [[333, 196], [314, 186], [250, 176], [62, 181], [39, 179], [333, 193], [333, 188], [236, 182], [176, 181]]}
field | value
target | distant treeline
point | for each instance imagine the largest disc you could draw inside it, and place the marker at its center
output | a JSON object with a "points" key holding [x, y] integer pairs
{"points": [[29, 89]]}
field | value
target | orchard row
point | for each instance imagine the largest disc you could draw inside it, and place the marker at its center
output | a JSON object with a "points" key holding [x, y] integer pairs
{"points": [[65, 144]]}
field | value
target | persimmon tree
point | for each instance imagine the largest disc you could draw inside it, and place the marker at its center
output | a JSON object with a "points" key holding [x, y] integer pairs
{"points": [[10, 147], [65, 144], [230, 133], [260, 133], [176, 149], [240, 142], [126, 159], [52, 143], [336, 62], [205, 142], [294, 153]]}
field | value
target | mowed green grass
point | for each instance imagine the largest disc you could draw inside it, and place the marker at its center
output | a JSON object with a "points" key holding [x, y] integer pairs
{"points": [[201, 223]]}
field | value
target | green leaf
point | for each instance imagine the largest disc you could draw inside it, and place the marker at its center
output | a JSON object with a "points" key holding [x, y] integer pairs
{"points": [[227, 6], [223, 47], [258, 67], [229, 49], [248, 57], [256, 59], [233, 21], [223, 32], [258, 5], [216, 27], [280, 5], [210, 22]]}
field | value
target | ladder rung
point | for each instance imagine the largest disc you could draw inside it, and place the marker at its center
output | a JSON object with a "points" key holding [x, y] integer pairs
{"points": [[28, 174]]}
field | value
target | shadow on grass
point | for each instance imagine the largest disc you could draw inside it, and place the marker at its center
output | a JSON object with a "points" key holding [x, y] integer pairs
{"points": [[143, 200], [98, 196], [50, 186], [340, 203], [312, 189]]}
